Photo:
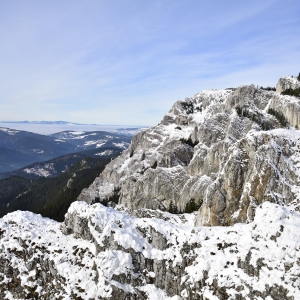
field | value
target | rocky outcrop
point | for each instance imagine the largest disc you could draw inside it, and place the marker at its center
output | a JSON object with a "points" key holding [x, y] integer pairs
{"points": [[287, 82], [104, 253], [289, 106], [220, 148]]}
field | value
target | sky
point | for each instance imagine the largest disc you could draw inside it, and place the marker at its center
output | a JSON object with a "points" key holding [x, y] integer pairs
{"points": [[127, 62]]}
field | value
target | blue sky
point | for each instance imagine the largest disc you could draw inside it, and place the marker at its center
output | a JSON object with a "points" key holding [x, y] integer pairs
{"points": [[127, 62]]}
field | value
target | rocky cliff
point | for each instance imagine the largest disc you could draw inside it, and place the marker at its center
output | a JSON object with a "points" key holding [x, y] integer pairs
{"points": [[234, 154], [227, 149], [287, 82]]}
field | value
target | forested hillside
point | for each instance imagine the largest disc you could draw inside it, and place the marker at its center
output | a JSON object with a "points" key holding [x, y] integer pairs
{"points": [[50, 197], [19, 148]]}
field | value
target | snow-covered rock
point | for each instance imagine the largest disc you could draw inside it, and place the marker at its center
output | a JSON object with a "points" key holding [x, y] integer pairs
{"points": [[103, 253], [287, 82], [242, 158]]}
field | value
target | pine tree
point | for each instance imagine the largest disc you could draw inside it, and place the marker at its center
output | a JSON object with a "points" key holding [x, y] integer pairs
{"points": [[170, 207], [192, 206], [173, 209]]}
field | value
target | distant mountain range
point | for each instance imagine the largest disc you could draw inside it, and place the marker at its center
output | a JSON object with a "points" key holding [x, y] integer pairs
{"points": [[20, 148], [45, 174], [63, 123], [41, 122], [50, 127]]}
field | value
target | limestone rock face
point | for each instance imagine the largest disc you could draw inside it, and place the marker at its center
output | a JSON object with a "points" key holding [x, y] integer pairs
{"points": [[220, 148], [287, 82], [290, 107]]}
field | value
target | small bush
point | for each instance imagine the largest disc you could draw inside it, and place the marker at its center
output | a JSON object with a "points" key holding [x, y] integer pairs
{"points": [[188, 107], [279, 116], [112, 198], [255, 117], [268, 88], [154, 166], [189, 142], [173, 209], [292, 92], [192, 205]]}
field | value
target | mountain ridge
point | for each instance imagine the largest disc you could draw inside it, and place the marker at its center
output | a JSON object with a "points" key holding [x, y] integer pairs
{"points": [[66, 123], [236, 153], [34, 147], [212, 148]]}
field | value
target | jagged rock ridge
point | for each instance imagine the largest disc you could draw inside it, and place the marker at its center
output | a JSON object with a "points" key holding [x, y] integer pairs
{"points": [[243, 157]]}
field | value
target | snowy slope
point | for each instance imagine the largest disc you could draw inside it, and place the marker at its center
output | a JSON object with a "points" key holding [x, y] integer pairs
{"points": [[85, 140]]}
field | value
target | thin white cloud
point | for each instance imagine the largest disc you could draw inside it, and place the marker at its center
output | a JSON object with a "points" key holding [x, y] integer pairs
{"points": [[114, 61]]}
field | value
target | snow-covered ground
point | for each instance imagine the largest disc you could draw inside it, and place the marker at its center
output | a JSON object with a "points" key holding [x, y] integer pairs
{"points": [[93, 260], [106, 152]]}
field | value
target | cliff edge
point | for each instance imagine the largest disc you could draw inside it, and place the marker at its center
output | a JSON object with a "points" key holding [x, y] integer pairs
{"points": [[228, 151]]}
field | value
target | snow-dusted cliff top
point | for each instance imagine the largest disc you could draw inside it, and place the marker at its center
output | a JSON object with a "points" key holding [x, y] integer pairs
{"points": [[287, 82], [228, 149]]}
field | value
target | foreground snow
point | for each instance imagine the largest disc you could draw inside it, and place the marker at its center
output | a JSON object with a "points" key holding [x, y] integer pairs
{"points": [[105, 251]]}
